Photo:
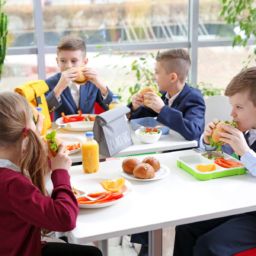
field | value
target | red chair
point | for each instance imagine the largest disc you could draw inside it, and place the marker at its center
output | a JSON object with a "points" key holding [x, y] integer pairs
{"points": [[98, 109], [249, 252]]}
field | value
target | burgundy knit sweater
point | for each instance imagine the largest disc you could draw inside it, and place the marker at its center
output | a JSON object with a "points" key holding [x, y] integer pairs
{"points": [[24, 211]]}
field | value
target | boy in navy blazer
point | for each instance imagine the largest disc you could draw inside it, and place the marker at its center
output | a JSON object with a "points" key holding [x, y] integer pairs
{"points": [[180, 107], [232, 234], [67, 96]]}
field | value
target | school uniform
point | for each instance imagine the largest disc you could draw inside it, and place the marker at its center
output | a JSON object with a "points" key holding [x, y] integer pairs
{"points": [[88, 94], [223, 236], [184, 115], [24, 210]]}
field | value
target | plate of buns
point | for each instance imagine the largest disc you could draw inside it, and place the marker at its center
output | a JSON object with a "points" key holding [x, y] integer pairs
{"points": [[149, 169]]}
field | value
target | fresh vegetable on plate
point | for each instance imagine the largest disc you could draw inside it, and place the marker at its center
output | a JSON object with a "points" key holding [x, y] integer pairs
{"points": [[227, 163], [106, 197], [77, 118], [74, 146], [150, 130]]}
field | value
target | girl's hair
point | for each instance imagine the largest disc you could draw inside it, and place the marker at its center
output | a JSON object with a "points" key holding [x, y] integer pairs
{"points": [[244, 81], [15, 115]]}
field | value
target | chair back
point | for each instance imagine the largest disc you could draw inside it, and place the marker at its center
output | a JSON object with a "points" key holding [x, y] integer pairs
{"points": [[217, 107], [34, 92]]}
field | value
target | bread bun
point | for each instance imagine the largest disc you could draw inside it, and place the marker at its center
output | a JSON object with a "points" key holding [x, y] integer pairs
{"points": [[153, 162], [218, 129], [81, 78], [144, 171], [146, 90], [129, 164]]}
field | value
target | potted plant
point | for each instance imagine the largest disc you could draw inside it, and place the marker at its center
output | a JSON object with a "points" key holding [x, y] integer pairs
{"points": [[3, 34]]}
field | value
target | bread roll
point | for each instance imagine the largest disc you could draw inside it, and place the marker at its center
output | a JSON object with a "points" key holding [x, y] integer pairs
{"points": [[129, 164], [146, 90], [81, 78], [144, 171], [153, 162]]}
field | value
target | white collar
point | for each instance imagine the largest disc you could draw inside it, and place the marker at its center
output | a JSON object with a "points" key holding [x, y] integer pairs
{"points": [[5, 163]]}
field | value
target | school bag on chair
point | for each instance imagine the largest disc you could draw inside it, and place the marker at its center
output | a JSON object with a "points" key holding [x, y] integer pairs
{"points": [[34, 92]]}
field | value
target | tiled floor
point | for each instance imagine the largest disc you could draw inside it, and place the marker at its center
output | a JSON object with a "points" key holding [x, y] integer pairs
{"points": [[127, 249]]}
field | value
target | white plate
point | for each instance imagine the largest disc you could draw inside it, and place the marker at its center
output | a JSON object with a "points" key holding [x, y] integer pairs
{"points": [[68, 140], [79, 126], [93, 185], [160, 174]]}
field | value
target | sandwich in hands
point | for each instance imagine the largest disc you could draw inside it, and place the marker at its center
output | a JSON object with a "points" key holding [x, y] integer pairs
{"points": [[52, 142], [215, 137], [81, 78]]}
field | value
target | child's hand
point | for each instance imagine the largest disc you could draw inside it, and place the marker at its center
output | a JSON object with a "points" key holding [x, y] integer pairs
{"points": [[153, 101], [208, 131], [91, 75], [234, 138], [66, 77], [61, 160], [137, 101]]}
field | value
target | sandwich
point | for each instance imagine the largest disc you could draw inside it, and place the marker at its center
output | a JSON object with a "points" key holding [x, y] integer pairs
{"points": [[52, 142], [215, 137], [81, 78]]}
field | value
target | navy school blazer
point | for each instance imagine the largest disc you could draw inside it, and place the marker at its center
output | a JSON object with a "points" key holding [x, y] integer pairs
{"points": [[185, 116], [89, 94]]}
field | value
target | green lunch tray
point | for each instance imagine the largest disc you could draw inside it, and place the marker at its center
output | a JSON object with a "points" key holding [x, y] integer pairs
{"points": [[188, 163]]}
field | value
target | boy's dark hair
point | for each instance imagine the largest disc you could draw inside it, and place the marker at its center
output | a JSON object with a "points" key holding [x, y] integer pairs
{"points": [[71, 43], [177, 61], [244, 81]]}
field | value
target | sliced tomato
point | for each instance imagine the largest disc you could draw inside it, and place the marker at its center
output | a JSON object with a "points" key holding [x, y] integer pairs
{"points": [[227, 163]]}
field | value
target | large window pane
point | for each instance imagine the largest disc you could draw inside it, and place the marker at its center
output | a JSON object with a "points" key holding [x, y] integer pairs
{"points": [[21, 22], [99, 21], [211, 25], [217, 65], [18, 69]]}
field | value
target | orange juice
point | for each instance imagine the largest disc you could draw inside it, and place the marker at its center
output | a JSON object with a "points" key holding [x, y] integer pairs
{"points": [[90, 154]]}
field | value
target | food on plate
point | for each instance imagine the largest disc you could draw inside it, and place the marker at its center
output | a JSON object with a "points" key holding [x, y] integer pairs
{"points": [[144, 171], [227, 163], [74, 146], [215, 137], [150, 130], [77, 118], [113, 185], [206, 167], [153, 162], [103, 197], [129, 164], [81, 78]]}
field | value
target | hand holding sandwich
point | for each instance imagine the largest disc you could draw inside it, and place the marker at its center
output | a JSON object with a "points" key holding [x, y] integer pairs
{"points": [[219, 133]]}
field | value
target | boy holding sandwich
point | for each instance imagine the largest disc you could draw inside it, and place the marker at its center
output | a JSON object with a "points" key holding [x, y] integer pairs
{"points": [[233, 234], [76, 87], [181, 107]]}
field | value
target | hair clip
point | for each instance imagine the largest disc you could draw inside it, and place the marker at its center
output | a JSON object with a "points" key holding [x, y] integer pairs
{"points": [[25, 132]]}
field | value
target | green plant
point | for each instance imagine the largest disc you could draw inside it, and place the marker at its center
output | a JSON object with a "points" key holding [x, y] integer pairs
{"points": [[241, 13], [208, 89], [3, 34], [144, 76]]}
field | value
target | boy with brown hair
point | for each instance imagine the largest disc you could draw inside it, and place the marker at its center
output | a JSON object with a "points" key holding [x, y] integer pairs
{"points": [[180, 107], [76, 86], [232, 234]]}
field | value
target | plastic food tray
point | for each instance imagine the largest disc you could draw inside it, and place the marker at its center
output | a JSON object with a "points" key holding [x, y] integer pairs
{"points": [[188, 163]]}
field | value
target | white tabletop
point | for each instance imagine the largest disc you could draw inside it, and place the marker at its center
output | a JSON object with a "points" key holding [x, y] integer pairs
{"points": [[172, 141], [177, 199]]}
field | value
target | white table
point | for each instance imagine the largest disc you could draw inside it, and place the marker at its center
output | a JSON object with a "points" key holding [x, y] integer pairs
{"points": [[172, 141], [177, 199]]}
